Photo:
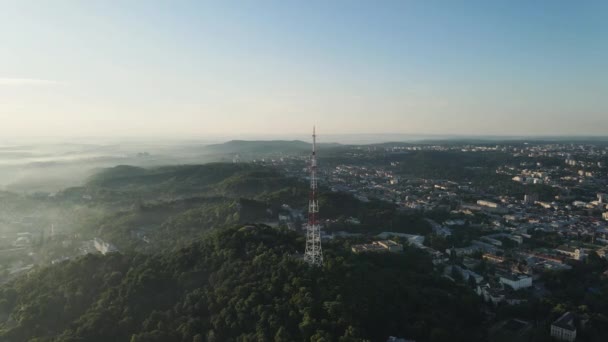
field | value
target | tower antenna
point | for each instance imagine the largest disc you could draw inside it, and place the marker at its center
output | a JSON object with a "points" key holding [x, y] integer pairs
{"points": [[314, 254]]}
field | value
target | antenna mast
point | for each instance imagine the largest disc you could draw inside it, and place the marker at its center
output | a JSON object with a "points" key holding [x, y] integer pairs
{"points": [[313, 255]]}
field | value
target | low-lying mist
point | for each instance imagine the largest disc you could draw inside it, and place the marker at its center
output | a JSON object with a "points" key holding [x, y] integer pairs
{"points": [[50, 167]]}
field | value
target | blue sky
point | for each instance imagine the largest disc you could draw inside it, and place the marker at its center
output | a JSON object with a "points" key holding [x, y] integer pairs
{"points": [[201, 68]]}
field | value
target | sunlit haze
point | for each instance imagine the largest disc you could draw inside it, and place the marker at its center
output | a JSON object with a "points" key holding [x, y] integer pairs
{"points": [[201, 69], [303, 170]]}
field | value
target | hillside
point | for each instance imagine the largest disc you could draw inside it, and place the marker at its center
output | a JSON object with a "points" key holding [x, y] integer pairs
{"points": [[150, 227], [259, 146], [239, 284], [134, 178], [264, 147], [193, 266], [170, 182], [148, 209]]}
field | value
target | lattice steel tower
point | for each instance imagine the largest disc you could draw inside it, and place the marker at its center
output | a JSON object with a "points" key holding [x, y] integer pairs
{"points": [[313, 254]]}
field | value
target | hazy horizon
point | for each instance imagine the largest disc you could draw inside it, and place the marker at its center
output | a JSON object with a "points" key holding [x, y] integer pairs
{"points": [[161, 181], [197, 69], [344, 138]]}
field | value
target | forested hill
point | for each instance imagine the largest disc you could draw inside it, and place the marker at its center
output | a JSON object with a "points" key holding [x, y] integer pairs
{"points": [[164, 207], [192, 268], [239, 284], [123, 186], [240, 179], [260, 146], [264, 147]]}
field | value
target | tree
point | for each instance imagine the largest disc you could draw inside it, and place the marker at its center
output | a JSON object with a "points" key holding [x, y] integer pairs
{"points": [[472, 282], [282, 335], [321, 336], [456, 275]]}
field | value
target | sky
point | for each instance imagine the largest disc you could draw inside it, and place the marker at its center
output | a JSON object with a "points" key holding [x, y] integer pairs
{"points": [[235, 68]]}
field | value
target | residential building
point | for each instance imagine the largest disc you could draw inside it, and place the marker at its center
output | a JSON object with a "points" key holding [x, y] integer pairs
{"points": [[104, 247], [574, 253], [516, 281], [563, 328], [490, 294], [493, 258], [462, 250], [378, 246], [391, 246], [531, 198], [488, 204]]}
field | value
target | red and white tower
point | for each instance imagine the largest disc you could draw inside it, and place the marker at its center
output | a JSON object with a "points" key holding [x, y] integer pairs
{"points": [[313, 255]]}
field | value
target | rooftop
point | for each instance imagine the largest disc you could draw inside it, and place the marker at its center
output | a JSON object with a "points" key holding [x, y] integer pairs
{"points": [[566, 321]]}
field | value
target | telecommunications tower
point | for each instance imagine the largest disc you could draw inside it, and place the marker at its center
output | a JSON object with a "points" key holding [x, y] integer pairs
{"points": [[313, 255]]}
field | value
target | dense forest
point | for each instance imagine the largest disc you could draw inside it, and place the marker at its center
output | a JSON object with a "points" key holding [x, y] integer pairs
{"points": [[244, 283], [194, 266]]}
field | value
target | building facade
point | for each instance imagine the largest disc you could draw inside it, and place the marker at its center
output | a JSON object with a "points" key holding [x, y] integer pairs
{"points": [[563, 328], [516, 281]]}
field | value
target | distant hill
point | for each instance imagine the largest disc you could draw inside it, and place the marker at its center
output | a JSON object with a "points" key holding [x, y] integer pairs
{"points": [[121, 186], [167, 177], [264, 147]]}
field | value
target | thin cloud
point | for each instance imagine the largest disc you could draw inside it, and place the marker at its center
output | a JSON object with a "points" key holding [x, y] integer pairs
{"points": [[7, 81]]}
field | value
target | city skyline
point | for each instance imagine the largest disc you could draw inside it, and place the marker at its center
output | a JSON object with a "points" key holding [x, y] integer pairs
{"points": [[234, 69]]}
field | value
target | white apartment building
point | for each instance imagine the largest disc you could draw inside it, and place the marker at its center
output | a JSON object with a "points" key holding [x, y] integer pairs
{"points": [[563, 328], [516, 281]]}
